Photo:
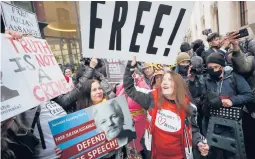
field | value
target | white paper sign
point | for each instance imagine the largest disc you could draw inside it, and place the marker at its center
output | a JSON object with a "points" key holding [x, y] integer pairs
{"points": [[20, 20], [152, 31], [168, 121], [30, 75]]}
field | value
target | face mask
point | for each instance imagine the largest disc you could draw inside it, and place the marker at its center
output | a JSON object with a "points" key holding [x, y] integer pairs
{"points": [[214, 75], [183, 69]]}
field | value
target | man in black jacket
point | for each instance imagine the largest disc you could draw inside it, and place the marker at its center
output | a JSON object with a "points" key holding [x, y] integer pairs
{"points": [[221, 88], [216, 46]]}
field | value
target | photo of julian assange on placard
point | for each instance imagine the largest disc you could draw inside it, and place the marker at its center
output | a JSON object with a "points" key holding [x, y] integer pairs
{"points": [[113, 118]]}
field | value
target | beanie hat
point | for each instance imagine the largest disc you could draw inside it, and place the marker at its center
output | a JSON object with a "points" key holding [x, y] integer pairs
{"points": [[217, 58], [183, 56], [185, 47]]}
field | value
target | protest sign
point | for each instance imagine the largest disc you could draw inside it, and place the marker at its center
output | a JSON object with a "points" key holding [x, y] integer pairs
{"points": [[115, 70], [95, 131], [151, 31], [30, 75], [20, 20]]}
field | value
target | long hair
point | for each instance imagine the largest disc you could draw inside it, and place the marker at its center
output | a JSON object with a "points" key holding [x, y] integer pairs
{"points": [[84, 99], [181, 92]]}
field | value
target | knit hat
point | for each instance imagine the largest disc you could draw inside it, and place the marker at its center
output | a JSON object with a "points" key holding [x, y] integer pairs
{"points": [[217, 58], [183, 56], [185, 47]]}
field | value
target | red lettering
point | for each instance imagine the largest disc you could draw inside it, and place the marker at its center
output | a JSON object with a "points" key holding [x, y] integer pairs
{"points": [[24, 45], [46, 60], [32, 46], [59, 86], [36, 88], [15, 47], [46, 48], [40, 60], [45, 90], [37, 43], [55, 92], [52, 57]]}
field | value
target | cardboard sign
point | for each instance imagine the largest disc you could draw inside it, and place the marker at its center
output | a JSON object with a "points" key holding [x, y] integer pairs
{"points": [[30, 75], [95, 131], [115, 70], [151, 31], [20, 20]]}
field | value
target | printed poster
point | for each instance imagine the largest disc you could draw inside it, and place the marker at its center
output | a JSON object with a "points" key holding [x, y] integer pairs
{"points": [[94, 132], [115, 70]]}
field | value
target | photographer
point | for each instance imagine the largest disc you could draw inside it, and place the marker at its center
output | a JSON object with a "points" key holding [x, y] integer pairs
{"points": [[217, 45], [220, 88]]}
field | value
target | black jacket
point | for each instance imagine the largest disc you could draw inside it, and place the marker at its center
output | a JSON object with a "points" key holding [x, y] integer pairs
{"points": [[69, 99], [233, 86], [145, 99], [208, 52]]}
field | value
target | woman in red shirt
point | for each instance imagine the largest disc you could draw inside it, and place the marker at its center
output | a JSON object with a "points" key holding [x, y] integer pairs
{"points": [[173, 124]]}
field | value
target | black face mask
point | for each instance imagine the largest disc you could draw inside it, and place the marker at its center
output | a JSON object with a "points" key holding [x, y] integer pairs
{"points": [[183, 69], [214, 75]]}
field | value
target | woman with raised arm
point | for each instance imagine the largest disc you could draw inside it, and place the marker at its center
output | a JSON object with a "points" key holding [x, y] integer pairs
{"points": [[173, 124]]}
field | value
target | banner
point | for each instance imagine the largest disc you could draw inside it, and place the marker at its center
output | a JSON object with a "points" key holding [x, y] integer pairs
{"points": [[151, 31], [115, 70], [95, 131], [20, 20], [30, 75]]}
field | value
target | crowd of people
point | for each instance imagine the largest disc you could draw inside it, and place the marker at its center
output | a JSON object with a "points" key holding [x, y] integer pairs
{"points": [[222, 76]]}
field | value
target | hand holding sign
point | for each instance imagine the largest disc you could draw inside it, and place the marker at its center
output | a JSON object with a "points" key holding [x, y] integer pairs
{"points": [[14, 34], [133, 64], [93, 63]]}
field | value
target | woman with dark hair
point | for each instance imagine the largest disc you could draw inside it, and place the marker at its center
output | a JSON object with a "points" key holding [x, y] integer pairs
{"points": [[173, 125], [91, 94]]}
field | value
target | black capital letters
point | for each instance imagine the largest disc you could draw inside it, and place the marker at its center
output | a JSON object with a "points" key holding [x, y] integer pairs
{"points": [[143, 6], [156, 30], [20, 68], [118, 24], [94, 22], [26, 57], [175, 30]]}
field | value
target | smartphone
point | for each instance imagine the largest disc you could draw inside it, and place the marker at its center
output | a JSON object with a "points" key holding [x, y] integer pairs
{"points": [[243, 33]]}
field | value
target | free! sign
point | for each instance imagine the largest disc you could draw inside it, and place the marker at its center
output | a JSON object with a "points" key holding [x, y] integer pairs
{"points": [[152, 31], [30, 75]]}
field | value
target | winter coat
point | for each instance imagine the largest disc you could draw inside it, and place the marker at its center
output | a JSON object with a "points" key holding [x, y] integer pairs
{"points": [[208, 52], [68, 100], [149, 101], [135, 108], [233, 87], [245, 65]]}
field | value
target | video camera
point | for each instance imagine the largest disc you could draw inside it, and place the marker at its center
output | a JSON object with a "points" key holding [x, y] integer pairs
{"points": [[198, 68]]}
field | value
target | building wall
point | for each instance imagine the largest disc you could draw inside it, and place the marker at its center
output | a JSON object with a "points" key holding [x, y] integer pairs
{"points": [[205, 13]]}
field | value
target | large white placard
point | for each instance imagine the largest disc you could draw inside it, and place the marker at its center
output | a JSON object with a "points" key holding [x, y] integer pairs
{"points": [[30, 75], [151, 31], [20, 20]]}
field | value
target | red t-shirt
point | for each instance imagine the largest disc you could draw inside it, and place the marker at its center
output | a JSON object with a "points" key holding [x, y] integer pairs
{"points": [[168, 130]]}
